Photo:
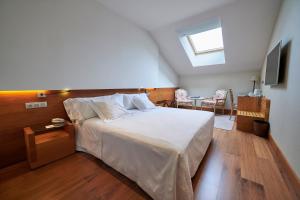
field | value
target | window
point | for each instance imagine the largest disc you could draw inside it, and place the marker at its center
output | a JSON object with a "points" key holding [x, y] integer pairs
{"points": [[207, 41], [203, 43]]}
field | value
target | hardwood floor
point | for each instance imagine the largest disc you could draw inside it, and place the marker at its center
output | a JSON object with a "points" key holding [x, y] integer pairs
{"points": [[236, 166]]}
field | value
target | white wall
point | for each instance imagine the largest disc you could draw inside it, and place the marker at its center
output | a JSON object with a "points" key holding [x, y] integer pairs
{"points": [[285, 108], [166, 75], [207, 84], [56, 44]]}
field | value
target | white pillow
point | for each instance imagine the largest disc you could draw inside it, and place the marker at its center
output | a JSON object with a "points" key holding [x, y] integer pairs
{"points": [[142, 102], [79, 109], [128, 100], [118, 98], [128, 104], [108, 110]]}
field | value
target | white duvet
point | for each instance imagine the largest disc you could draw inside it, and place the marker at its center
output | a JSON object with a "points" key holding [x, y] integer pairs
{"points": [[160, 149]]}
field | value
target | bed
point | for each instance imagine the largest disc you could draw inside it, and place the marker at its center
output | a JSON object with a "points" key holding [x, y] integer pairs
{"points": [[160, 149]]}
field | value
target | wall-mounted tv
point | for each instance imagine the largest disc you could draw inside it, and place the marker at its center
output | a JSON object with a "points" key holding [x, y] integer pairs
{"points": [[273, 66]]}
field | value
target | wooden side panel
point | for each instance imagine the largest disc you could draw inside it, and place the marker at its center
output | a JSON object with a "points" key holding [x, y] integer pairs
{"points": [[14, 117], [265, 108], [250, 109], [244, 123], [247, 103], [53, 150], [30, 144]]}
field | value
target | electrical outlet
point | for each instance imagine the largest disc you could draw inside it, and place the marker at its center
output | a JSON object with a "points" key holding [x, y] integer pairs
{"points": [[31, 105]]}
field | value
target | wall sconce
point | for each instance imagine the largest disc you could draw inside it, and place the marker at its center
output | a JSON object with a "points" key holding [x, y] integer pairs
{"points": [[62, 92], [41, 94], [44, 93]]}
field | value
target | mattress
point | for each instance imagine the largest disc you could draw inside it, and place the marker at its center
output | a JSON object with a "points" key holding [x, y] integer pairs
{"points": [[159, 149]]}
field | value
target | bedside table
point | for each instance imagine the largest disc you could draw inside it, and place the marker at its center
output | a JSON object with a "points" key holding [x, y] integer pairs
{"points": [[164, 103], [46, 145]]}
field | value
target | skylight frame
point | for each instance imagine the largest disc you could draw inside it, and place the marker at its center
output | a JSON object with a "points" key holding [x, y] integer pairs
{"points": [[204, 58], [190, 40]]}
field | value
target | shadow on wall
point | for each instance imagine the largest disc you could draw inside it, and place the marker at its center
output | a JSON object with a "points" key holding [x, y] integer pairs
{"points": [[284, 66]]}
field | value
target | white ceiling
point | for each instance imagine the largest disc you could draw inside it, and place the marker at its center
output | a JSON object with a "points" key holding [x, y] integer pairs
{"points": [[247, 27], [151, 14]]}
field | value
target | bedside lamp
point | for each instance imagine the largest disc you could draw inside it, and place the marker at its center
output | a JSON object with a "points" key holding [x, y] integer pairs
{"points": [[254, 79]]}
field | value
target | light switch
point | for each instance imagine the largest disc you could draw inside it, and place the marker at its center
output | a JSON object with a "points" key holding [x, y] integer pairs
{"points": [[31, 105]]}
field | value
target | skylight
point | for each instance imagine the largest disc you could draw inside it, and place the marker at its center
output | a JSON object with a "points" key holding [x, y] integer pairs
{"points": [[207, 41], [203, 43]]}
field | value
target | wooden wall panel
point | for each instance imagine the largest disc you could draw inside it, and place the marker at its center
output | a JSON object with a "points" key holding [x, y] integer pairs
{"points": [[162, 94], [14, 117]]}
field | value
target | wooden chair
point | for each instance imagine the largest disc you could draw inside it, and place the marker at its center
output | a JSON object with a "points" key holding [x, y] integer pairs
{"points": [[218, 101], [233, 106], [181, 98]]}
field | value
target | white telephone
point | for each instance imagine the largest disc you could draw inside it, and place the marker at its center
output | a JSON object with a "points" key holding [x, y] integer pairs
{"points": [[58, 122]]}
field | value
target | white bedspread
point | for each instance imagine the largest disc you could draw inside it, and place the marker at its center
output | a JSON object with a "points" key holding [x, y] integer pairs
{"points": [[160, 149]]}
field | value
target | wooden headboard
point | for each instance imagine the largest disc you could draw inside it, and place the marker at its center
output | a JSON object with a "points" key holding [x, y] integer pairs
{"points": [[14, 117]]}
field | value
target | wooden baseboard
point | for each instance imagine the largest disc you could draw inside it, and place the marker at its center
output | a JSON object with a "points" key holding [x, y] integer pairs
{"points": [[286, 170]]}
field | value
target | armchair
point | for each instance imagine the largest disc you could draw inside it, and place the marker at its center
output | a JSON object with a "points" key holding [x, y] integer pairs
{"points": [[217, 101], [181, 98]]}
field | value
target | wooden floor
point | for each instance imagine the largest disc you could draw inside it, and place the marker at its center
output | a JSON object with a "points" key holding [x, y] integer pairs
{"points": [[236, 166]]}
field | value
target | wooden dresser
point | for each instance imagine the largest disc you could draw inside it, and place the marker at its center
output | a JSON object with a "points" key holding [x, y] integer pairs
{"points": [[250, 109]]}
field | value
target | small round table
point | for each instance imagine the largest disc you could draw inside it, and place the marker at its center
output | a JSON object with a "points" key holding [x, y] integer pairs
{"points": [[195, 99]]}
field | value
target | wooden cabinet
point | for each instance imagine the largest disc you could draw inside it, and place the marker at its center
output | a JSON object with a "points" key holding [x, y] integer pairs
{"points": [[44, 146], [247, 103], [250, 109]]}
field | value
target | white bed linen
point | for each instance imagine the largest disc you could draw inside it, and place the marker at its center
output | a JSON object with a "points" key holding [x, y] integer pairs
{"points": [[160, 149]]}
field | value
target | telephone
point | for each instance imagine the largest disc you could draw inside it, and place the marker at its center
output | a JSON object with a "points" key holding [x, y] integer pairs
{"points": [[58, 122]]}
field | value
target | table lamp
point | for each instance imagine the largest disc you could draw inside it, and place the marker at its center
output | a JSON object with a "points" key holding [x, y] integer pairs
{"points": [[254, 79]]}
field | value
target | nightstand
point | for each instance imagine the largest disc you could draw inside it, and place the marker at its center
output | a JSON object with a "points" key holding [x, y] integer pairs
{"points": [[165, 103], [46, 145]]}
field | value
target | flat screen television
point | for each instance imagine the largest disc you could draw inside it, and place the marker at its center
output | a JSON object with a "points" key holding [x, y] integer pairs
{"points": [[273, 66]]}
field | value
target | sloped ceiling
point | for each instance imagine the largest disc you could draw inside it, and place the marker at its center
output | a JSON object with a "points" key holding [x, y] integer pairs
{"points": [[151, 14], [247, 26]]}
